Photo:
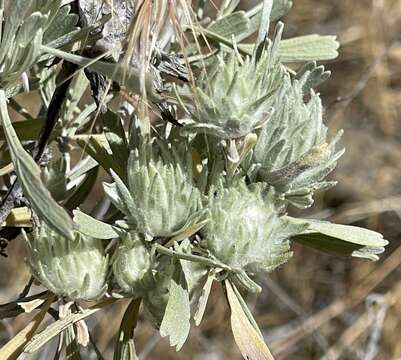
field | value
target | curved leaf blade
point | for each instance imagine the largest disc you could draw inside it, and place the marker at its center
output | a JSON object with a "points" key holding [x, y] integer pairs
{"points": [[343, 240], [248, 339], [28, 173]]}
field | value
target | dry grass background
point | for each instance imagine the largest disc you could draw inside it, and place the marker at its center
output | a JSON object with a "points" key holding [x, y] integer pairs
{"points": [[316, 306]]}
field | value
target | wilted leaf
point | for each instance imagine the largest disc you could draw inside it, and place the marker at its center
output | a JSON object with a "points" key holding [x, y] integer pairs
{"points": [[248, 339], [71, 345], [28, 173], [29, 306], [175, 323]]}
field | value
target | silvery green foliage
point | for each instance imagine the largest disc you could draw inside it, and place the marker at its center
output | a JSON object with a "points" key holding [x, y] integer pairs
{"points": [[233, 99], [160, 197], [27, 24], [189, 206], [246, 232], [76, 269], [132, 265], [292, 153]]}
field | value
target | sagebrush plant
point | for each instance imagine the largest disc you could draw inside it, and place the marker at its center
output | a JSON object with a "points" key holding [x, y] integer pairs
{"points": [[210, 128]]}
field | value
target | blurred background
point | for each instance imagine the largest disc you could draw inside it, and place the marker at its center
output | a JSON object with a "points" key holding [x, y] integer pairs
{"points": [[316, 306]]}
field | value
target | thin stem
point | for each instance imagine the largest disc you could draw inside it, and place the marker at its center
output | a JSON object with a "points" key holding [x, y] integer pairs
{"points": [[190, 257]]}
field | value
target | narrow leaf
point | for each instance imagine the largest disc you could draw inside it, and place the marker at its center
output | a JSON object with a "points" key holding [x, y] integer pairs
{"points": [[342, 240], [202, 302], [60, 325], [249, 341], [302, 48], [115, 135], [123, 75], [98, 148], [125, 348], [28, 173]]}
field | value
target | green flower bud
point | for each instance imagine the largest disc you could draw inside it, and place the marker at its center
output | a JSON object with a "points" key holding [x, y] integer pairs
{"points": [[132, 265], [160, 198], [236, 96], [245, 232], [292, 153], [74, 269]]}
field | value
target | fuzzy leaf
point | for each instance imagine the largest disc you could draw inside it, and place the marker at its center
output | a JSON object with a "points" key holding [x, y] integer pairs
{"points": [[229, 25], [94, 228], [308, 48], [64, 23], [83, 189], [315, 75], [123, 75], [28, 173], [248, 339], [175, 323], [342, 240], [121, 197], [279, 9]]}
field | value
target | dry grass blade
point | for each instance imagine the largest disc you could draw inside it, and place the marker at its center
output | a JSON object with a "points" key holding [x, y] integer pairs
{"points": [[57, 327], [13, 349]]}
